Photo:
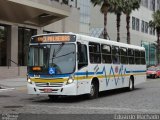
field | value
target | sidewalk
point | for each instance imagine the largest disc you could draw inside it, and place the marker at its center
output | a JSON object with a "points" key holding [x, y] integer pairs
{"points": [[13, 83]]}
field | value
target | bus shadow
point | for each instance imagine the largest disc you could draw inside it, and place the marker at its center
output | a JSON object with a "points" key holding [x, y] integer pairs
{"points": [[63, 99], [82, 98], [116, 92]]}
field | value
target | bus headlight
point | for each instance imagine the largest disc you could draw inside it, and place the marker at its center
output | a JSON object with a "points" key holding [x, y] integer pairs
{"points": [[70, 80], [29, 81]]}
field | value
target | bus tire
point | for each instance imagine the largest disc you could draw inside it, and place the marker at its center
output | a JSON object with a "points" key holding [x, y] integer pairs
{"points": [[94, 90], [53, 97], [131, 84]]}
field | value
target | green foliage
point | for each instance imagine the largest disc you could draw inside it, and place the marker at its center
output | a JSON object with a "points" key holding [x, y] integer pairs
{"points": [[97, 2], [156, 20], [117, 7], [155, 23], [106, 5], [129, 5]]}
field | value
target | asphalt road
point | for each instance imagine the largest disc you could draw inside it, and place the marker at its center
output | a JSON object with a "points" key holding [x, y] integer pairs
{"points": [[145, 99]]}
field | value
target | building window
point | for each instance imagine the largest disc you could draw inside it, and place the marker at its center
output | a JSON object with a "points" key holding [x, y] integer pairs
{"points": [[133, 23], [142, 26], [3, 45], [146, 27], [152, 5], [150, 53], [144, 3], [158, 4], [24, 35], [151, 31], [137, 24]]}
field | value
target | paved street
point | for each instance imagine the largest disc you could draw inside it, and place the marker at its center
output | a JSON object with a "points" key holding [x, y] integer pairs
{"points": [[144, 99]]}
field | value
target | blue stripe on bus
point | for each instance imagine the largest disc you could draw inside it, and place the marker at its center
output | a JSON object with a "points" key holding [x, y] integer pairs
{"points": [[84, 73], [50, 76], [81, 74], [137, 71]]}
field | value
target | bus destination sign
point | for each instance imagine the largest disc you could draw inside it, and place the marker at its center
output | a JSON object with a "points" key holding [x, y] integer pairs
{"points": [[53, 38]]}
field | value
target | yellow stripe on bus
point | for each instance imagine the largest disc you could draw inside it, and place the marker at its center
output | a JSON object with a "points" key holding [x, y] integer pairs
{"points": [[83, 77], [49, 80]]}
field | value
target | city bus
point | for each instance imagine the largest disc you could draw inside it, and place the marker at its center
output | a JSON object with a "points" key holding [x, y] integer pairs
{"points": [[68, 64]]}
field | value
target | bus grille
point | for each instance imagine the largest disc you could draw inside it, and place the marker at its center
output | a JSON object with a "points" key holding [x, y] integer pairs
{"points": [[49, 84]]}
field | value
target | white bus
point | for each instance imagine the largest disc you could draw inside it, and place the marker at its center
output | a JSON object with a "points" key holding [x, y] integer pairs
{"points": [[73, 64]]}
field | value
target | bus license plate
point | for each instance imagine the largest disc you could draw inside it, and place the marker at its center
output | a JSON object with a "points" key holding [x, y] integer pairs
{"points": [[47, 90]]}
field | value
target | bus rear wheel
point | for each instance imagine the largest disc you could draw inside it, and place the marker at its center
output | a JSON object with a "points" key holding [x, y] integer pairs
{"points": [[94, 90], [131, 84]]}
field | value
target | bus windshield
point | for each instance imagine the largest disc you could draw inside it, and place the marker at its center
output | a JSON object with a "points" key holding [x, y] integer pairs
{"points": [[61, 57]]}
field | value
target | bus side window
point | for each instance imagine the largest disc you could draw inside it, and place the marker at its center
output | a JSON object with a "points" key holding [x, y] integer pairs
{"points": [[123, 54], [115, 55], [94, 52], [131, 56], [82, 55], [137, 57], [106, 54], [143, 62]]}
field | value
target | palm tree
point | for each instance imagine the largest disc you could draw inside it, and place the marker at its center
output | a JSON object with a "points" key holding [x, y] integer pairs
{"points": [[156, 25], [117, 9], [105, 8], [128, 6]]}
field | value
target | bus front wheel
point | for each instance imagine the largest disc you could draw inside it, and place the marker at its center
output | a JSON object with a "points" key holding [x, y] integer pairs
{"points": [[93, 90]]}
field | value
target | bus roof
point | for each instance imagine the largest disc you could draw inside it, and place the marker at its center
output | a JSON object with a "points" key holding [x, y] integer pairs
{"points": [[97, 40], [109, 42]]}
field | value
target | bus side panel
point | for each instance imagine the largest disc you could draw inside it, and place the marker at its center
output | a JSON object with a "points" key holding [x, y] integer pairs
{"points": [[113, 77], [140, 74], [83, 81]]}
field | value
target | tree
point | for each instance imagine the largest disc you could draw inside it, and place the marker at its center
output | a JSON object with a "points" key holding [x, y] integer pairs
{"points": [[105, 8], [156, 25], [128, 6], [117, 9]]}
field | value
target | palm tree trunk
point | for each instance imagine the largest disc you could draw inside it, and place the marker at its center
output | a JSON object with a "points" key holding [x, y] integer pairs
{"points": [[105, 26], [118, 26], [128, 27]]}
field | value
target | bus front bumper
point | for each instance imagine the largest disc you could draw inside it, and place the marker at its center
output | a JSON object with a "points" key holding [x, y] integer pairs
{"points": [[69, 89]]}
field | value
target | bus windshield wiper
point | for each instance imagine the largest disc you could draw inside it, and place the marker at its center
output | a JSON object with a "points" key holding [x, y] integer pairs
{"points": [[58, 50], [64, 55]]}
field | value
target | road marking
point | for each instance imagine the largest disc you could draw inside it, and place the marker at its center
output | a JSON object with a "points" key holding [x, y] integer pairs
{"points": [[6, 89], [101, 108], [106, 108]]}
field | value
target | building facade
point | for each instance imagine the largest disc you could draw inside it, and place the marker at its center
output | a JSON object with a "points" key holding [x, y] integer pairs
{"points": [[20, 19], [141, 33]]}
